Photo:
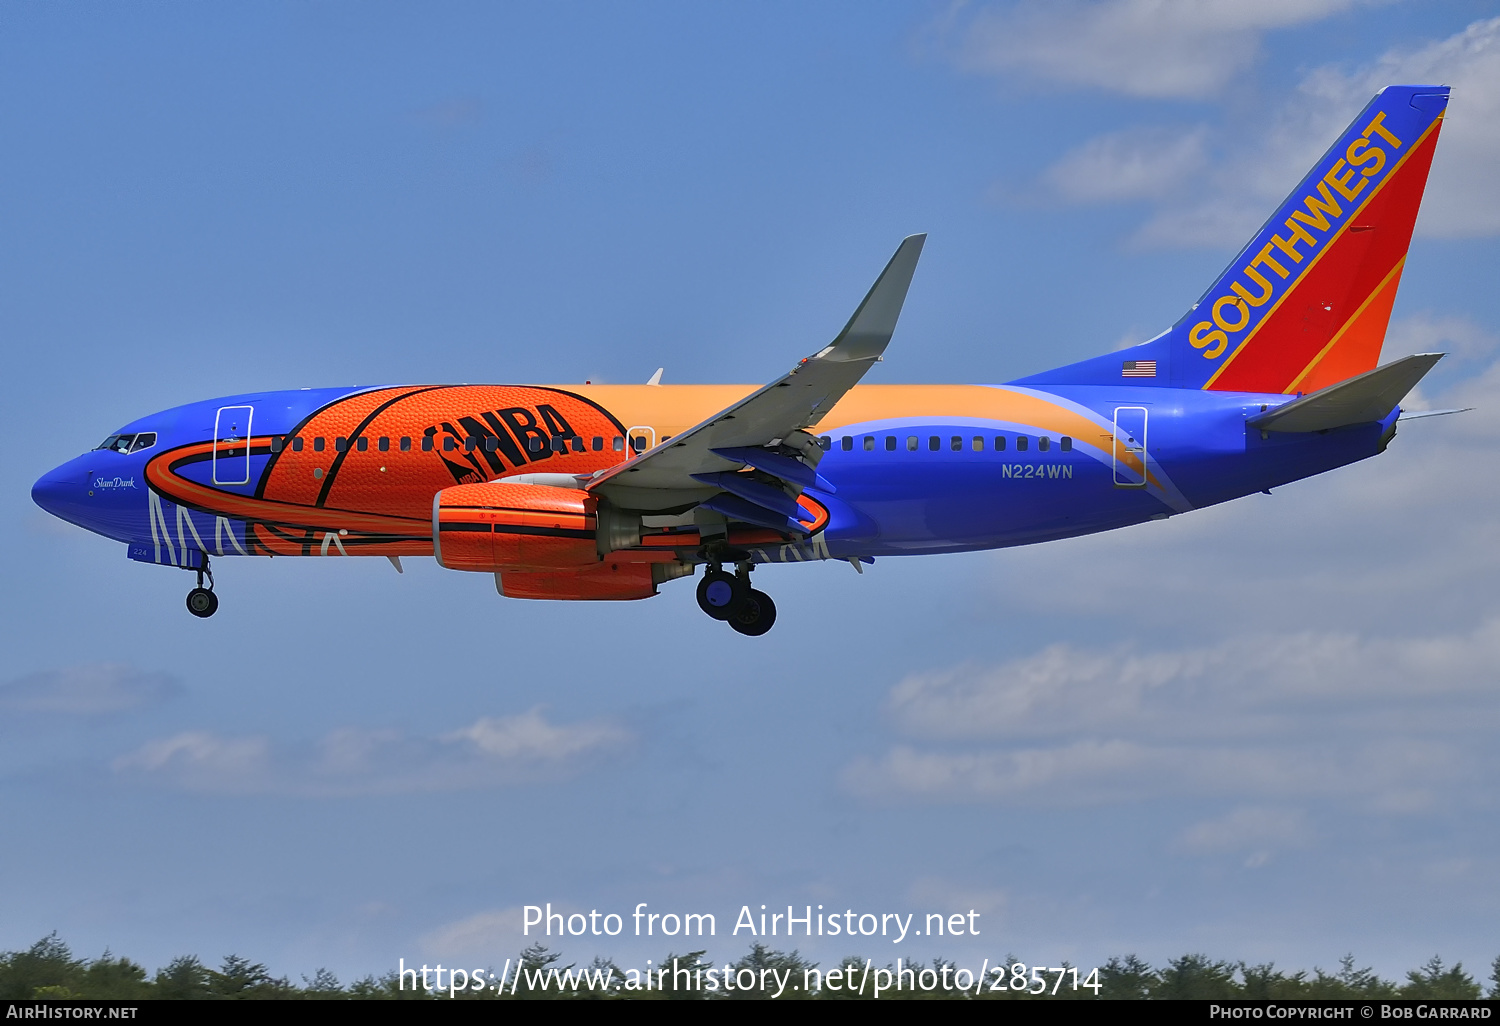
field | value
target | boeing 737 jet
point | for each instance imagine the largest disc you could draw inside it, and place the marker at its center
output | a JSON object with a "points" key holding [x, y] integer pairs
{"points": [[609, 491]]}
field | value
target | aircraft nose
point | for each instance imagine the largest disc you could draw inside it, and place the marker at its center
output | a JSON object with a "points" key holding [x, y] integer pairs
{"points": [[59, 490]]}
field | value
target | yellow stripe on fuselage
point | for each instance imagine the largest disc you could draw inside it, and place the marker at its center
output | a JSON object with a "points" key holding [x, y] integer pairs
{"points": [[672, 409]]}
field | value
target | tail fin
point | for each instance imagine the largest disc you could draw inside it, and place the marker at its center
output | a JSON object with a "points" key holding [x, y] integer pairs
{"points": [[1305, 304]]}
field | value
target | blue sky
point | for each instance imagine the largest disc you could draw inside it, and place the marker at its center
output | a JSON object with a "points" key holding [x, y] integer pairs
{"points": [[1264, 731]]}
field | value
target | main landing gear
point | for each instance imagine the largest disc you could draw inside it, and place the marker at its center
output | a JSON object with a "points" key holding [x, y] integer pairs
{"points": [[729, 597], [201, 601]]}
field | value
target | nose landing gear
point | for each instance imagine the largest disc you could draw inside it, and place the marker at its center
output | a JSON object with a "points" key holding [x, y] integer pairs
{"points": [[201, 601], [729, 597]]}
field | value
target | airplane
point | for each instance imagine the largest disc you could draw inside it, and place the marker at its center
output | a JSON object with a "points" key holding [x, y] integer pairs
{"points": [[606, 492]]}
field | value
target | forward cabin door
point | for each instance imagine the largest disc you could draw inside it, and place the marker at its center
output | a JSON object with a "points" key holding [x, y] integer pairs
{"points": [[641, 438], [232, 445], [1130, 446]]}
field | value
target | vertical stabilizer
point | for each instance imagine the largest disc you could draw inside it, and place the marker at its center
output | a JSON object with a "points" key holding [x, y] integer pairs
{"points": [[1306, 303]]}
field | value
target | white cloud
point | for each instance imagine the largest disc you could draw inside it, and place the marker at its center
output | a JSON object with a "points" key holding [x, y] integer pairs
{"points": [[1261, 157], [1137, 163], [1184, 49], [1387, 775], [492, 752], [1335, 642], [1260, 678], [198, 755], [528, 737], [1461, 199], [1430, 333], [92, 689], [1253, 830]]}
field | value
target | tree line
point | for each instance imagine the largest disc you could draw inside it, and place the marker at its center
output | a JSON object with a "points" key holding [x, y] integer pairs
{"points": [[49, 970]]}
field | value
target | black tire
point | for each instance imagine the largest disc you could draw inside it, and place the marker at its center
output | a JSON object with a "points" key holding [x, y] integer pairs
{"points": [[202, 603], [756, 616], [720, 595]]}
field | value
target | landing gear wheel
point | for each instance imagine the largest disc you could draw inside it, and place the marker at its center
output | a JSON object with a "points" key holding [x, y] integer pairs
{"points": [[757, 614], [202, 603], [720, 595]]}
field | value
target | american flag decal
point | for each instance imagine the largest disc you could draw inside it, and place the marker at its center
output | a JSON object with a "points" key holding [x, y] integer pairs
{"points": [[1138, 369]]}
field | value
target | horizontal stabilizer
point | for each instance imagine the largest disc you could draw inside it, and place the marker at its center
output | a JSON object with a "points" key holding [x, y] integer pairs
{"points": [[1364, 398]]}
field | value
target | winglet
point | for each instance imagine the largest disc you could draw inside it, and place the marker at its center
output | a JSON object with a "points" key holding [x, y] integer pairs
{"points": [[869, 330], [656, 378], [1366, 397]]}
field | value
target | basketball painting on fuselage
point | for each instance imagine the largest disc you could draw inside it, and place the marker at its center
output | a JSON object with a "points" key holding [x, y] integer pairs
{"points": [[608, 491]]}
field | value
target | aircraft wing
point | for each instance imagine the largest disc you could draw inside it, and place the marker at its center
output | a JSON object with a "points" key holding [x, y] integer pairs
{"points": [[767, 429]]}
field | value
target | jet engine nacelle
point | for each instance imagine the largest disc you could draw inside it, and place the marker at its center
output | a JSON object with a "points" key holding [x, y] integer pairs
{"points": [[502, 526]]}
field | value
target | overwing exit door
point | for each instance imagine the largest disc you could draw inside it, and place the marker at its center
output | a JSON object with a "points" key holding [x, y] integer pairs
{"points": [[232, 445], [1130, 447]]}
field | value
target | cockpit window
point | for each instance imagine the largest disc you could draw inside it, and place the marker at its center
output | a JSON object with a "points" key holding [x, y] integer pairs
{"points": [[129, 443]]}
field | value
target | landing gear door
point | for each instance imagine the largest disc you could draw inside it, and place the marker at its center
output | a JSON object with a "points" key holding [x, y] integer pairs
{"points": [[1130, 447], [232, 445]]}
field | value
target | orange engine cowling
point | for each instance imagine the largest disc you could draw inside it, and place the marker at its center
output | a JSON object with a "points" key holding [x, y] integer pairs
{"points": [[490, 527]]}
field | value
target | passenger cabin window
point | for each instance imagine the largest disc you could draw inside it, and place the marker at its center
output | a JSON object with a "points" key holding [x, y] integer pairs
{"points": [[449, 443], [597, 444], [869, 443], [341, 444], [619, 443], [890, 443], [956, 443], [1043, 444], [1067, 444], [559, 443], [491, 443], [406, 443], [318, 444], [911, 443], [362, 443], [1021, 442], [426, 443], [978, 443], [825, 442], [999, 443], [296, 443], [276, 443], [934, 443], [471, 443], [846, 443], [384, 445], [638, 443]]}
